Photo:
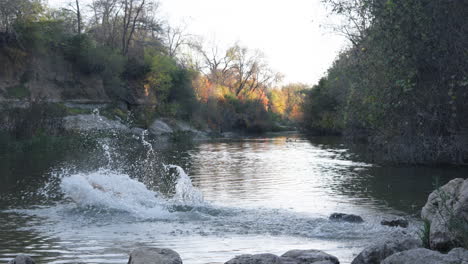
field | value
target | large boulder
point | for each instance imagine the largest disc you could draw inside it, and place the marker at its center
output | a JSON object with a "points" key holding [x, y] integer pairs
{"points": [[159, 127], [148, 255], [255, 259], [447, 211], [346, 218], [396, 242], [426, 256], [22, 259], [308, 256]]}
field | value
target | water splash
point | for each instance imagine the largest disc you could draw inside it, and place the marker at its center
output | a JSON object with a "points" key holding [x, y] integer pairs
{"points": [[185, 193], [115, 191]]}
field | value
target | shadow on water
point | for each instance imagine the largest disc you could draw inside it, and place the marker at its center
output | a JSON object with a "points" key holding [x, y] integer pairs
{"points": [[402, 187]]}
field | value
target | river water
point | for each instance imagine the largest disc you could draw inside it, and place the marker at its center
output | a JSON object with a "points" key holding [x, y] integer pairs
{"points": [[209, 201]]}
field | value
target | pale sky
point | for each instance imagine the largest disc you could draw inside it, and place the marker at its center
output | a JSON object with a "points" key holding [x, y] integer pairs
{"points": [[288, 32]]}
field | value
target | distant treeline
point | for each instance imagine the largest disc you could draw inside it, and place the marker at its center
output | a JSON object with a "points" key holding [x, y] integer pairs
{"points": [[402, 86], [143, 60]]}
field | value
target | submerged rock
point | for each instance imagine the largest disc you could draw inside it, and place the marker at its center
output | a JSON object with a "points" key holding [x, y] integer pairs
{"points": [[426, 256], [446, 210], [346, 218], [396, 242], [154, 256], [398, 222], [22, 259], [308, 256]]}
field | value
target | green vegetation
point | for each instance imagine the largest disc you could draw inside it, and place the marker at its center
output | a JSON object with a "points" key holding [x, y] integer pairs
{"points": [[425, 234], [144, 67], [402, 84], [18, 92]]}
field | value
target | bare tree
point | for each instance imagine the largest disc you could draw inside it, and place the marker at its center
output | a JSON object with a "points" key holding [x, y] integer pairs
{"points": [[358, 17], [132, 11], [75, 9], [251, 71], [175, 38], [218, 64], [105, 20]]}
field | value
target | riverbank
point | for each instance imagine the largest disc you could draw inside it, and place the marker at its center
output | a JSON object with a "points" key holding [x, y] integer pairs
{"points": [[26, 119]]}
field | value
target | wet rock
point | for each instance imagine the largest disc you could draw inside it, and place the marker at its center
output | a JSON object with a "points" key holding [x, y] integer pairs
{"points": [[154, 256], [92, 122], [426, 256], [159, 127], [448, 204], [396, 242], [22, 259], [398, 222], [346, 218], [256, 259], [308, 256]]}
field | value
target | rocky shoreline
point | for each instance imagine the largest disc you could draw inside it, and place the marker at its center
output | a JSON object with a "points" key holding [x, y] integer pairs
{"points": [[442, 243]]}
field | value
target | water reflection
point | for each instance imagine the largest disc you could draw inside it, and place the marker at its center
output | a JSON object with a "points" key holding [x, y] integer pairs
{"points": [[267, 194]]}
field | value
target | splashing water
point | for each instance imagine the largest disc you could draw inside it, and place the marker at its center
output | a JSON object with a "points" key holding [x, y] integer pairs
{"points": [[113, 190], [185, 193], [109, 188]]}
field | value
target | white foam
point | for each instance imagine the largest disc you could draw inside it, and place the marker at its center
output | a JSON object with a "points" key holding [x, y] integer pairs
{"points": [[185, 193], [109, 189]]}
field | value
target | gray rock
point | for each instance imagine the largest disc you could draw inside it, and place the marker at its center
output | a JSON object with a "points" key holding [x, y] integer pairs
{"points": [[399, 222], [255, 259], [426, 256], [346, 218], [137, 131], [159, 127], [396, 242], [446, 205], [184, 126], [92, 122], [154, 256], [308, 256], [460, 254], [22, 259]]}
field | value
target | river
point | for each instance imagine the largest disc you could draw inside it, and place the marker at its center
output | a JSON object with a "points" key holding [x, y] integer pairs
{"points": [[208, 200]]}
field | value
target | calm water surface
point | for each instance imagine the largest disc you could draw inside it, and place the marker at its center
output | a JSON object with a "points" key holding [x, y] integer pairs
{"points": [[261, 194]]}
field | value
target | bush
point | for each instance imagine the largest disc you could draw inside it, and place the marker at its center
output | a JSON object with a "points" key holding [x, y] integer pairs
{"points": [[402, 85]]}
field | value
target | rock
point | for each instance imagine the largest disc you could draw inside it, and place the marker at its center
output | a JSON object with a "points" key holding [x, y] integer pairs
{"points": [[92, 122], [401, 222], [255, 259], [460, 254], [308, 256], [22, 259], [446, 205], [159, 127], [154, 256], [426, 256], [346, 218], [296, 256], [184, 127], [397, 242]]}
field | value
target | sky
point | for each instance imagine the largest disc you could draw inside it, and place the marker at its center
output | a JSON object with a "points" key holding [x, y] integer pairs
{"points": [[288, 32]]}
